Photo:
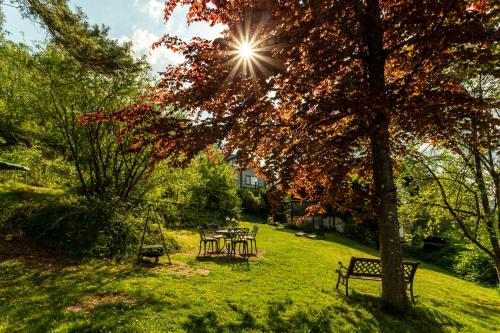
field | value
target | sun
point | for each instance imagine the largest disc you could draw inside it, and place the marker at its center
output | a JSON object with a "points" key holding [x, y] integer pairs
{"points": [[246, 50], [250, 54]]}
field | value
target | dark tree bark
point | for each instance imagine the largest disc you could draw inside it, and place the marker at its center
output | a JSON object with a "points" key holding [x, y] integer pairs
{"points": [[393, 283]]}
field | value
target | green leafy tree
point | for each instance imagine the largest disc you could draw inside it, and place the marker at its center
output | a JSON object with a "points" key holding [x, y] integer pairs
{"points": [[217, 190], [443, 195], [207, 184], [47, 90], [67, 90], [18, 125]]}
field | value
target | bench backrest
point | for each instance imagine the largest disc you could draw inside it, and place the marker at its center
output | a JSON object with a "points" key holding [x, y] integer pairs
{"points": [[373, 268], [410, 268], [364, 267]]}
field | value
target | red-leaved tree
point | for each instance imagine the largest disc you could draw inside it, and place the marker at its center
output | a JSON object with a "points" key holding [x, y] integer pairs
{"points": [[312, 92]]}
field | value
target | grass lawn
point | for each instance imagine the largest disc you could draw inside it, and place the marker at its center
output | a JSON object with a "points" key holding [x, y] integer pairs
{"points": [[289, 288]]}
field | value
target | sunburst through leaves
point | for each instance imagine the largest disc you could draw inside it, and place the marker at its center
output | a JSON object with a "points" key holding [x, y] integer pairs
{"points": [[251, 54]]}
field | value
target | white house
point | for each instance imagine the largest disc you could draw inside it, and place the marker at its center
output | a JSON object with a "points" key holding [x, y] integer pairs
{"points": [[246, 178]]}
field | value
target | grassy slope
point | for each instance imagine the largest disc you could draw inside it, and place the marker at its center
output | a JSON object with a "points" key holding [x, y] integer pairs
{"points": [[292, 288]]}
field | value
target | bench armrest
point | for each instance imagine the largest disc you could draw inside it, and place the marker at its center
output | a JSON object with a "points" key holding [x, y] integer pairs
{"points": [[341, 267]]}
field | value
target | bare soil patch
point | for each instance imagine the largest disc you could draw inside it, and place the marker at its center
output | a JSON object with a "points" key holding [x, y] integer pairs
{"points": [[91, 302], [181, 269]]}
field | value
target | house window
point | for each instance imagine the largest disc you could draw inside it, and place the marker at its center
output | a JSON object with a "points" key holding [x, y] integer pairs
{"points": [[250, 180]]}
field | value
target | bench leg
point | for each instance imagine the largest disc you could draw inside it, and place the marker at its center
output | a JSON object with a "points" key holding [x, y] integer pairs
{"points": [[347, 287], [411, 293], [338, 282]]}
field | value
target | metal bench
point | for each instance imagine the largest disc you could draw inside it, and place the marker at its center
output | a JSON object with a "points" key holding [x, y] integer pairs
{"points": [[371, 269]]}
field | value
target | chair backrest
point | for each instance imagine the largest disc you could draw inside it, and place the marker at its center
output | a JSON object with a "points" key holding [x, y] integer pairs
{"points": [[203, 232], [254, 231], [240, 233]]}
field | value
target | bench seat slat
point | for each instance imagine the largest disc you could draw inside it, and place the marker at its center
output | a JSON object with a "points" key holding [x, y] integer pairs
{"points": [[364, 277]]}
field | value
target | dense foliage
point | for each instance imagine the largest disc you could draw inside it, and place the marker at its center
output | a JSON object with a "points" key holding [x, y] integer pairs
{"points": [[254, 201], [474, 265], [440, 196]]}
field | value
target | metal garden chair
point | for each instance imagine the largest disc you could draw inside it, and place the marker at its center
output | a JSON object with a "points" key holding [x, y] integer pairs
{"points": [[252, 238], [239, 238], [207, 237]]}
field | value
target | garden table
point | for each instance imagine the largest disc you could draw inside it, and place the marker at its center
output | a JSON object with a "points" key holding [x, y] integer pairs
{"points": [[225, 233]]}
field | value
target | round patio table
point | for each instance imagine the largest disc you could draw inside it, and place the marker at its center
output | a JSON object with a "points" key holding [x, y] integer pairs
{"points": [[225, 233]]}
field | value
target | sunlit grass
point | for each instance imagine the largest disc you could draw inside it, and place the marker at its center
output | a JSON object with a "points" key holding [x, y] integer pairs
{"points": [[290, 288]]}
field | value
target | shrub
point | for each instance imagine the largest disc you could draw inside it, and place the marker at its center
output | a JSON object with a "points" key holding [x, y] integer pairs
{"points": [[444, 257], [98, 229], [202, 192], [217, 192], [472, 264], [253, 202], [467, 262]]}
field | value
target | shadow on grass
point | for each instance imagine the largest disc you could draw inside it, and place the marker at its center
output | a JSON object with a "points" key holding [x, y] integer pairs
{"points": [[358, 313], [36, 299], [236, 263]]}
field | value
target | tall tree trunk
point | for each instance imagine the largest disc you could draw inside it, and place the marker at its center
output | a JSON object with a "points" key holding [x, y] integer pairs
{"points": [[393, 283]]}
